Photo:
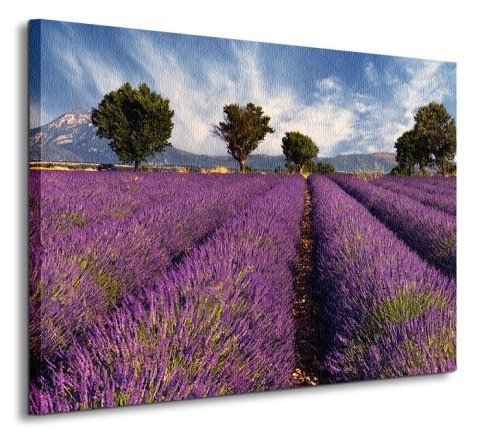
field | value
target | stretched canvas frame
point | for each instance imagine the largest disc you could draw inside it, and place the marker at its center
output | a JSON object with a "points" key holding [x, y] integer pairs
{"points": [[175, 259]]}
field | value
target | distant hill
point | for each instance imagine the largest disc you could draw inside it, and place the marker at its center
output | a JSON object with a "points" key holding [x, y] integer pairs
{"points": [[72, 137], [379, 162]]}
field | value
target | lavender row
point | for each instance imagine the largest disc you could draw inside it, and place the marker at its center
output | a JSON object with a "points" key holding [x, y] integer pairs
{"points": [[218, 323], [430, 184], [386, 312], [429, 232], [441, 181], [444, 200], [96, 236]]}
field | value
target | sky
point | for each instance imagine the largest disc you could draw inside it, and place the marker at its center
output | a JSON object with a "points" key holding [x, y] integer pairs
{"points": [[346, 102]]}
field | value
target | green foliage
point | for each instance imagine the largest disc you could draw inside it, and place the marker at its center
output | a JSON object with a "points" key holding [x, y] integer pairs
{"points": [[406, 152], [436, 134], [291, 169], [280, 170], [137, 121], [111, 284], [319, 167], [309, 167], [431, 143], [403, 306], [450, 168], [399, 170], [298, 149], [325, 168], [242, 129]]}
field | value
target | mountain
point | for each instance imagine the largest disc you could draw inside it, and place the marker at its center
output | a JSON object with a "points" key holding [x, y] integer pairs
{"points": [[378, 162], [173, 156], [72, 137]]}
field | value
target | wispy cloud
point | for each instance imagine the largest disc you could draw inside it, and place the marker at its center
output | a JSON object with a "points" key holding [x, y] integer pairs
{"points": [[89, 73], [35, 118], [381, 119], [341, 117], [199, 105], [39, 114], [372, 74], [428, 81]]}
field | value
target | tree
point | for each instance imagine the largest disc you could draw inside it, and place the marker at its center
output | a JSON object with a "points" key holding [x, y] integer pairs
{"points": [[242, 129], [319, 167], [280, 170], [436, 134], [406, 152], [431, 143], [137, 121], [398, 170], [310, 167], [325, 168], [298, 149]]}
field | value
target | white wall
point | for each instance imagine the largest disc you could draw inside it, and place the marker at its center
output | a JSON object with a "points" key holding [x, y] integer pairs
{"points": [[442, 30]]}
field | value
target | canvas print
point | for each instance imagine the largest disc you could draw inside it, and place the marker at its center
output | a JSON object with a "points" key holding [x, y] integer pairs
{"points": [[211, 217]]}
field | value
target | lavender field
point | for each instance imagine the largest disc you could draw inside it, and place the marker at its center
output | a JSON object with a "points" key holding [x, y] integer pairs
{"points": [[149, 287]]}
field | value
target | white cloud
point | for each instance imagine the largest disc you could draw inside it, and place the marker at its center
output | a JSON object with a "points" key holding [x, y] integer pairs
{"points": [[35, 118], [381, 120], [89, 73], [199, 105], [360, 107], [39, 115], [426, 83], [337, 118], [371, 74], [329, 84]]}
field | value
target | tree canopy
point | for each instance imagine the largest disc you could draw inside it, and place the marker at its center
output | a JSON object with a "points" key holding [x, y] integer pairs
{"points": [[325, 168], [137, 121], [319, 167], [436, 133], [242, 129], [406, 153], [432, 142], [298, 149]]}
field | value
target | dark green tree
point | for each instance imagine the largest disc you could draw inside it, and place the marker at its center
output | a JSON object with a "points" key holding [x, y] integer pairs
{"points": [[298, 149], [242, 129], [431, 143], [450, 168], [137, 121], [319, 167], [280, 170], [310, 167], [406, 153], [398, 170], [325, 168], [436, 134]]}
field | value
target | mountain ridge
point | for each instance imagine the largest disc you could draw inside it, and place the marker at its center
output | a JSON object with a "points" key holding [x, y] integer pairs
{"points": [[72, 137]]}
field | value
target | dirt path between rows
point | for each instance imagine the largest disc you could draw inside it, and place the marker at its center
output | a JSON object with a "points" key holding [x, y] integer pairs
{"points": [[306, 308]]}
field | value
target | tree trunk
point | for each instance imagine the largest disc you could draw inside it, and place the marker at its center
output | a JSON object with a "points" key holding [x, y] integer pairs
{"points": [[242, 165], [137, 165]]}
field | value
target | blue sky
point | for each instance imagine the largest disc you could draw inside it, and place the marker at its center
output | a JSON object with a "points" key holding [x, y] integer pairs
{"points": [[347, 102]]}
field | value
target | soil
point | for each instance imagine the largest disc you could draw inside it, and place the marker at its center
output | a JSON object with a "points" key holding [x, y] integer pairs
{"points": [[306, 308]]}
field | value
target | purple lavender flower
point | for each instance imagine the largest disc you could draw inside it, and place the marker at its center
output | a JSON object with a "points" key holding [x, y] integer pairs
{"points": [[385, 311], [218, 323]]}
